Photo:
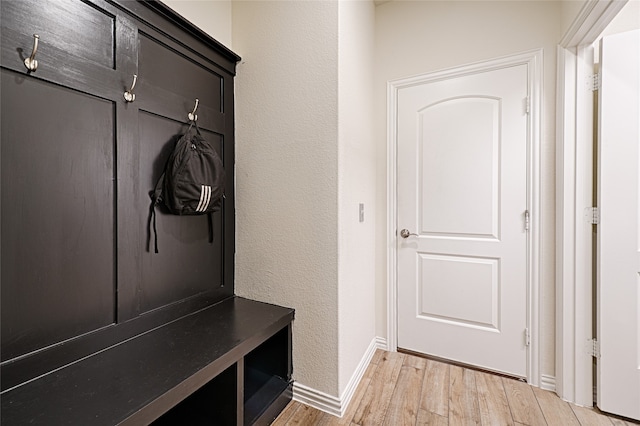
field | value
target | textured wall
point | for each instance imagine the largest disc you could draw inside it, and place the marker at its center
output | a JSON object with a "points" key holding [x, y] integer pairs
{"points": [[287, 172], [357, 173], [211, 16], [303, 166], [419, 37]]}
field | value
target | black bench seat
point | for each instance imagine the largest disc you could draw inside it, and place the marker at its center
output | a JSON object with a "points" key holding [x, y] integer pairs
{"points": [[137, 380]]}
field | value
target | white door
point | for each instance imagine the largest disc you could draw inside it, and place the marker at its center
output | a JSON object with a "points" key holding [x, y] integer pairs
{"points": [[462, 188], [618, 316]]}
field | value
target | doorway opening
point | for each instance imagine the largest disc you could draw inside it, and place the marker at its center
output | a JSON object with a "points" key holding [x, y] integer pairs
{"points": [[576, 296]]}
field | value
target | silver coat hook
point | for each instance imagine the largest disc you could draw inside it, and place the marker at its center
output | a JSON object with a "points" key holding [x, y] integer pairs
{"points": [[129, 96], [192, 115], [31, 63]]}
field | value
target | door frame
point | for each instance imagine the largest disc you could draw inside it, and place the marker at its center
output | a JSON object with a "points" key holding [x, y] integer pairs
{"points": [[533, 60], [574, 189]]}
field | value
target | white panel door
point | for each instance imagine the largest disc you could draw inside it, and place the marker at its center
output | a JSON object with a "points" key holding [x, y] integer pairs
{"points": [[618, 316], [462, 189]]}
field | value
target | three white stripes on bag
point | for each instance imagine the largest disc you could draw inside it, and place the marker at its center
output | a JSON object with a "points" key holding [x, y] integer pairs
{"points": [[205, 198]]}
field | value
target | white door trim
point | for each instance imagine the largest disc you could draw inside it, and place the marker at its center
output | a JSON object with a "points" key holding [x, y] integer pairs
{"points": [[533, 60], [574, 177]]}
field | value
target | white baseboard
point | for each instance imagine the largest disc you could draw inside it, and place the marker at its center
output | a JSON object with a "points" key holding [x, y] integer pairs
{"points": [[316, 399], [548, 382], [381, 343], [328, 403]]}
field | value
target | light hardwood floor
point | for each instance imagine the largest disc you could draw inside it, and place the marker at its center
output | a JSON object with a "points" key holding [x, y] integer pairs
{"points": [[400, 389]]}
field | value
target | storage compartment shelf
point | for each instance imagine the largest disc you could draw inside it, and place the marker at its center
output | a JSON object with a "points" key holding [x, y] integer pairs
{"points": [[263, 398], [215, 403]]}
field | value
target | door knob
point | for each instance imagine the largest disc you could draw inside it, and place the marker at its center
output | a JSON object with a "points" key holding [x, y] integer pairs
{"points": [[405, 233]]}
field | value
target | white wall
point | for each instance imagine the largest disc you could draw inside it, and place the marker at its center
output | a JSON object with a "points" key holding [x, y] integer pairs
{"points": [[287, 172], [211, 16], [415, 37], [356, 175]]}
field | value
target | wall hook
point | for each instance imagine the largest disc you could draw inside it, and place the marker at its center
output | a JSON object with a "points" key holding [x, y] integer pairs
{"points": [[192, 115], [129, 96], [31, 63]]}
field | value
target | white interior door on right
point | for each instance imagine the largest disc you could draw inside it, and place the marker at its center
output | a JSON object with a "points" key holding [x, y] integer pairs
{"points": [[618, 279], [462, 218]]}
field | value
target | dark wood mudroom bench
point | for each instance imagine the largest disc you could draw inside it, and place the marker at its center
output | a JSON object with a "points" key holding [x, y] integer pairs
{"points": [[96, 327], [225, 364]]}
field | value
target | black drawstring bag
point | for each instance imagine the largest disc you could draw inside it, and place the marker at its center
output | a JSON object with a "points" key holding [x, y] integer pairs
{"points": [[192, 182]]}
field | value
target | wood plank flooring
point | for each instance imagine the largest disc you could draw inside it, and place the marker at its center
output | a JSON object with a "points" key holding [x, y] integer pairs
{"points": [[401, 389]]}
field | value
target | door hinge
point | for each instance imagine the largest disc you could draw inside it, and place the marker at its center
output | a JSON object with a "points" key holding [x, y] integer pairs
{"points": [[527, 220], [527, 337], [592, 215], [593, 348], [527, 103], [594, 82]]}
